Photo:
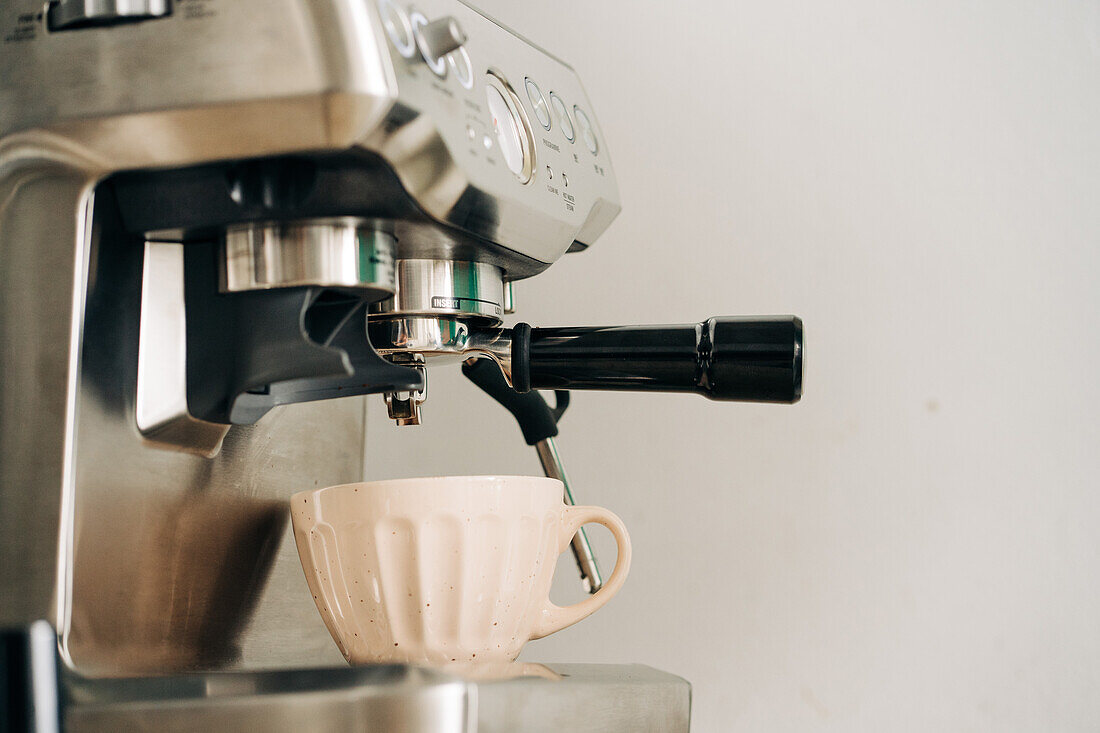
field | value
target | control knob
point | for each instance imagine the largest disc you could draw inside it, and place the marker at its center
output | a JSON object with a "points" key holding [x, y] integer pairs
{"points": [[64, 14], [439, 37]]}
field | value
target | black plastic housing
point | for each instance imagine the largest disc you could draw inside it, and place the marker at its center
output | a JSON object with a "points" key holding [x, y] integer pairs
{"points": [[249, 352], [536, 419]]}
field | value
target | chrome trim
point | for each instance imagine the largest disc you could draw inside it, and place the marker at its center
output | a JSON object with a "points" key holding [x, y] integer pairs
{"points": [[582, 549], [161, 402], [395, 699], [541, 103], [588, 132], [437, 64], [445, 288], [564, 122], [465, 75], [496, 79], [533, 698], [44, 693], [344, 253], [441, 340], [407, 50]]}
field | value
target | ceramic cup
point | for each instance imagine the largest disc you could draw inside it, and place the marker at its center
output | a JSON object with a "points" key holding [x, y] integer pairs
{"points": [[441, 570]]}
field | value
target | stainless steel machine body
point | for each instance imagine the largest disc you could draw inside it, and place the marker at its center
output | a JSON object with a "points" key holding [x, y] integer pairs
{"points": [[153, 540], [292, 158], [223, 222]]}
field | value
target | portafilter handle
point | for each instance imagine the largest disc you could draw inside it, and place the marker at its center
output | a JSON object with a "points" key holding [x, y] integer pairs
{"points": [[742, 359]]}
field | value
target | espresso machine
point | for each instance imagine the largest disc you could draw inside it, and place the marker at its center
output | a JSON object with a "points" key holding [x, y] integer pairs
{"points": [[224, 224]]}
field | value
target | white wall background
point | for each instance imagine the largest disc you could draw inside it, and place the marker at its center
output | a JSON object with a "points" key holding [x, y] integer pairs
{"points": [[915, 546]]}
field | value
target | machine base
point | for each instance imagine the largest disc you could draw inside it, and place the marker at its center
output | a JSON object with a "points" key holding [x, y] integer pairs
{"points": [[395, 698]]}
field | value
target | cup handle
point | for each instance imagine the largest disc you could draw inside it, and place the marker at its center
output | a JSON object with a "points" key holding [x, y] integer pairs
{"points": [[553, 618]]}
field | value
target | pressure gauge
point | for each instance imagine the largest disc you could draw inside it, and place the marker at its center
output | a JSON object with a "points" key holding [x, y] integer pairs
{"points": [[510, 127]]}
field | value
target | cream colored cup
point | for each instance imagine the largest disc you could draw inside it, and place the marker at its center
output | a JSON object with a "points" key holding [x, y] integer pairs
{"points": [[438, 570]]}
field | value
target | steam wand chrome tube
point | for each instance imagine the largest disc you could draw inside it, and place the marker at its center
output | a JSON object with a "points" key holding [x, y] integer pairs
{"points": [[539, 424]]}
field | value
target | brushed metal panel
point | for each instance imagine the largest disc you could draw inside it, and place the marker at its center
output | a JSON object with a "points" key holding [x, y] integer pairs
{"points": [[40, 199], [533, 698], [178, 561]]}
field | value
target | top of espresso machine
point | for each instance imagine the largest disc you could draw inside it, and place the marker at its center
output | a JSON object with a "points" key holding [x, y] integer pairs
{"points": [[456, 136]]}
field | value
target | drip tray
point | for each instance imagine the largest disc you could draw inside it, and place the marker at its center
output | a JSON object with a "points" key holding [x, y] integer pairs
{"points": [[397, 699]]}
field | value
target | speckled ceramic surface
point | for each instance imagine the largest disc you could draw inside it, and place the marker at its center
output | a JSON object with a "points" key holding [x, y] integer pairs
{"points": [[438, 570]]}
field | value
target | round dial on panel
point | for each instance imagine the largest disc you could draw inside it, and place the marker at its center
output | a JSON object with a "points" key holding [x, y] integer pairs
{"points": [[563, 117], [510, 128], [538, 102]]}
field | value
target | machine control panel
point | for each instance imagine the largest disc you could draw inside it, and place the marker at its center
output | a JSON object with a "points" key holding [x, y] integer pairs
{"points": [[498, 102], [71, 14], [441, 46]]}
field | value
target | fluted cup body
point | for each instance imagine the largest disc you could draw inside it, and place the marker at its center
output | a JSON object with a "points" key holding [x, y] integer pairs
{"points": [[441, 570]]}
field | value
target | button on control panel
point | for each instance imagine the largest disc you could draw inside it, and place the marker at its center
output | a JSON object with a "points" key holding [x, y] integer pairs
{"points": [[563, 117], [538, 102], [64, 15], [588, 135]]}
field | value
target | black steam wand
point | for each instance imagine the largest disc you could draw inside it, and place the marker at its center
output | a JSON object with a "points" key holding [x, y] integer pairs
{"points": [[539, 424], [736, 359]]}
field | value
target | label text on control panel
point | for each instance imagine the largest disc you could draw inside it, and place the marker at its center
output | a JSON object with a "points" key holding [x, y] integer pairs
{"points": [[197, 9], [442, 89], [25, 30]]}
